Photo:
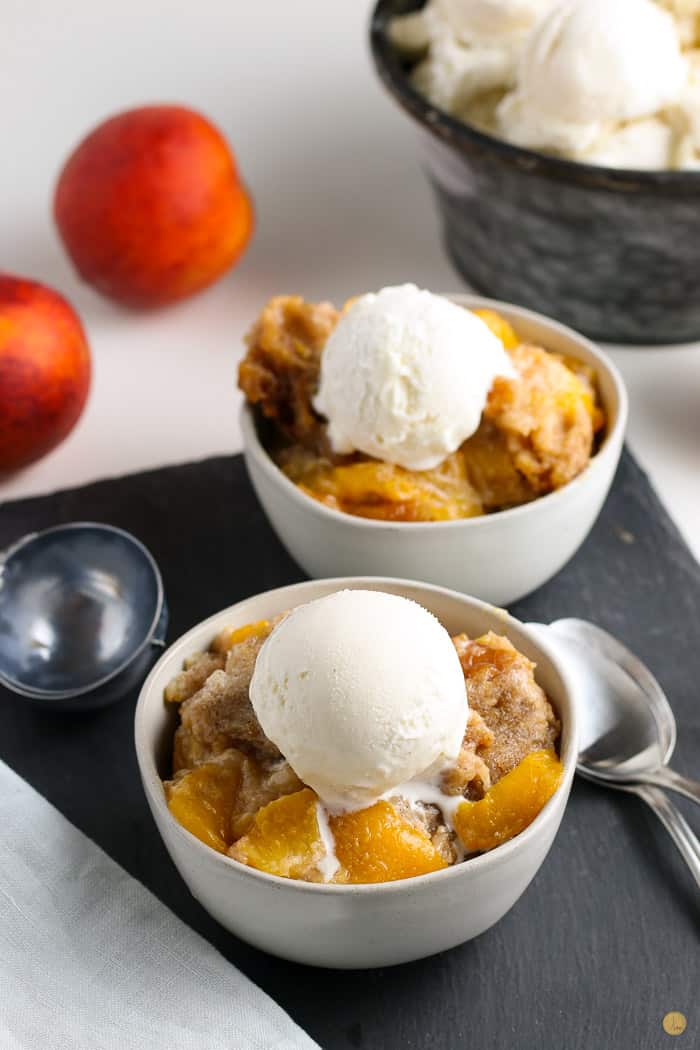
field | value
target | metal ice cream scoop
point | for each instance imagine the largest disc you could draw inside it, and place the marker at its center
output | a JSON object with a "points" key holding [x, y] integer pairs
{"points": [[82, 611]]}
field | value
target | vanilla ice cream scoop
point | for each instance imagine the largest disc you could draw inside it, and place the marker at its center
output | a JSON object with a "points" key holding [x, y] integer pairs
{"points": [[473, 46], [687, 16], [588, 64], [477, 21], [646, 144], [405, 376], [361, 691]]}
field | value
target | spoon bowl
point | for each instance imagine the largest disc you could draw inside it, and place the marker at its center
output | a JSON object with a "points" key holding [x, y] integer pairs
{"points": [[627, 728], [627, 725]]}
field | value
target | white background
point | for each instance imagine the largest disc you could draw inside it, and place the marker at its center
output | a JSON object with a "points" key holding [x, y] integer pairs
{"points": [[341, 202]]}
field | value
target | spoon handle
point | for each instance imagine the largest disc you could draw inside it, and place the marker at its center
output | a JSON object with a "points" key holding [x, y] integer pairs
{"points": [[672, 781], [675, 823]]}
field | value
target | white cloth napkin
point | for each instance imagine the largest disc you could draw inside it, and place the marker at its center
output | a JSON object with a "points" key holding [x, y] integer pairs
{"points": [[90, 960]]}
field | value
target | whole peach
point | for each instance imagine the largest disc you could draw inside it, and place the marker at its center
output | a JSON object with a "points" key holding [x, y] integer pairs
{"points": [[44, 370], [150, 206]]}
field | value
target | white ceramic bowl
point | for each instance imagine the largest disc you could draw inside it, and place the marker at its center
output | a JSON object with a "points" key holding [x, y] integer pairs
{"points": [[498, 557], [354, 926]]}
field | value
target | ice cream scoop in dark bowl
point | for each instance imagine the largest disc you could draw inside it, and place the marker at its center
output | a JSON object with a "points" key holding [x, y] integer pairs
{"points": [[612, 252]]}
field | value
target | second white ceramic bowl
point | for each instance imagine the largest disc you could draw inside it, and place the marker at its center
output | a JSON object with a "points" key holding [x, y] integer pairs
{"points": [[368, 925], [498, 557]]}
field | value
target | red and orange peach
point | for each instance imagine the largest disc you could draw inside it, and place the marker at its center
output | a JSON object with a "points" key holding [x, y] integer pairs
{"points": [[150, 206], [44, 370]]}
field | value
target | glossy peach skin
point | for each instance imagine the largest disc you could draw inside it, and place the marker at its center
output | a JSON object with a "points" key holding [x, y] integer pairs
{"points": [[150, 206], [44, 370]]}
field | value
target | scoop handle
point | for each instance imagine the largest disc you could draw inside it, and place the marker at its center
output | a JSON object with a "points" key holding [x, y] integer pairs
{"points": [[675, 823]]}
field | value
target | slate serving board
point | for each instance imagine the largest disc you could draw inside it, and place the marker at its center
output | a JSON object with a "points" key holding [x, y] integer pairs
{"points": [[606, 940]]}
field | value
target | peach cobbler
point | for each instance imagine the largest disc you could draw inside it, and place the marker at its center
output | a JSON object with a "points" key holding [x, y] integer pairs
{"points": [[352, 740], [406, 407]]}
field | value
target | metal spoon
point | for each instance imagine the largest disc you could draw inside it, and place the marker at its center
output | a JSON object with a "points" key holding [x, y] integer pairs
{"points": [[627, 728]]}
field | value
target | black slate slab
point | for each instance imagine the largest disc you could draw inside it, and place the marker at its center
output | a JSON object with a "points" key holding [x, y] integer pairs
{"points": [[606, 940]]}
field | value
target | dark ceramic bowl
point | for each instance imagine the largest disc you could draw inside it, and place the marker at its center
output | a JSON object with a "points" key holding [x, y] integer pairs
{"points": [[612, 252]]}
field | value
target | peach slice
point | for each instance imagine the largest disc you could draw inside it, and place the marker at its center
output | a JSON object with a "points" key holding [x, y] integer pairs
{"points": [[230, 636], [285, 838], [500, 327], [375, 844], [203, 800], [372, 489], [379, 845], [511, 804]]}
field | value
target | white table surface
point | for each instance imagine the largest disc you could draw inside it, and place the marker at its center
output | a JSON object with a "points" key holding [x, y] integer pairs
{"points": [[342, 208]]}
